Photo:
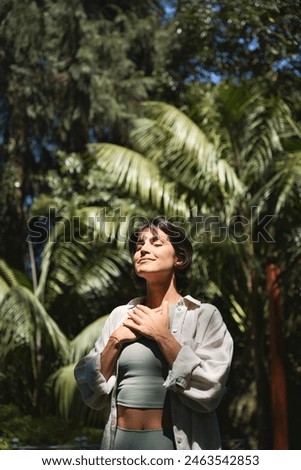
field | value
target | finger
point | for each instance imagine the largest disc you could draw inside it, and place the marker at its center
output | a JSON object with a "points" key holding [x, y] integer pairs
{"points": [[138, 311], [135, 317], [131, 325], [143, 309]]}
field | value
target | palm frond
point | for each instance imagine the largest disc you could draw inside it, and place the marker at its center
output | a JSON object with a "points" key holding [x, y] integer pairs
{"points": [[140, 177], [63, 379], [64, 256], [186, 135], [4, 289], [7, 274], [98, 275], [22, 318], [284, 184], [46, 262], [85, 340], [267, 123], [238, 313], [80, 267], [190, 155], [289, 180], [69, 401], [64, 389]]}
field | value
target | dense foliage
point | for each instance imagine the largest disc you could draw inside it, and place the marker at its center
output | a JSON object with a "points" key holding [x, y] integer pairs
{"points": [[114, 111]]}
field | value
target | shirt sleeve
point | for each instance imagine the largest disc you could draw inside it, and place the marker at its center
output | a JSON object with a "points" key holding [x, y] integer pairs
{"points": [[94, 388], [201, 368]]}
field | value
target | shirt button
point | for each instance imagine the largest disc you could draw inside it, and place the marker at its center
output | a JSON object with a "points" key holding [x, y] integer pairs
{"points": [[174, 330], [178, 309], [179, 440]]}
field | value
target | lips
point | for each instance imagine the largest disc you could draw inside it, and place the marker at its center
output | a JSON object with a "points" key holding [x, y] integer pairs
{"points": [[141, 260]]}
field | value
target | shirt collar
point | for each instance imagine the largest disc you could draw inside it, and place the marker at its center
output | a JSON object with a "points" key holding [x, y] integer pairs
{"points": [[181, 302], [188, 299]]}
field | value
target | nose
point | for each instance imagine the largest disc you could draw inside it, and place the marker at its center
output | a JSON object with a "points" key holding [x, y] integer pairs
{"points": [[145, 248], [144, 251]]}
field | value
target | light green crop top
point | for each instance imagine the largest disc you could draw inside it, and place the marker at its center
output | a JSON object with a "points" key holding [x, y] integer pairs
{"points": [[142, 371]]}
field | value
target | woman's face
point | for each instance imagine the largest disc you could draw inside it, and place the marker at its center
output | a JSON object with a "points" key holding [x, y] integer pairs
{"points": [[154, 254]]}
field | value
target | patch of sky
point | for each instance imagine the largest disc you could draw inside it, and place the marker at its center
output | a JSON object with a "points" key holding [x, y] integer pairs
{"points": [[204, 76], [214, 78], [169, 8], [253, 45], [38, 145], [92, 135], [287, 64]]}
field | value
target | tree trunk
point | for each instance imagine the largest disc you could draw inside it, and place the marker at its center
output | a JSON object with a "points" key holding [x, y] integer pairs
{"points": [[264, 424], [278, 378], [263, 406], [11, 213]]}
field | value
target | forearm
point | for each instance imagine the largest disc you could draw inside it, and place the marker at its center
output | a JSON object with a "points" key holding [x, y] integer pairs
{"points": [[109, 357], [169, 346], [199, 373]]}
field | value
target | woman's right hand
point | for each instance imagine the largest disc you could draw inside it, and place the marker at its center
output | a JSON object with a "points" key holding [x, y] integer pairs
{"points": [[125, 335], [111, 351]]}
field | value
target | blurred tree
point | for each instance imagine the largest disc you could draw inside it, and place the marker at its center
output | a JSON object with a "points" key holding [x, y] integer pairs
{"points": [[30, 343], [71, 72], [12, 224], [220, 39]]}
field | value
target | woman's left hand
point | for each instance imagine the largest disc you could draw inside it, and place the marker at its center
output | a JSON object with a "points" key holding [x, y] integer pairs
{"points": [[149, 322]]}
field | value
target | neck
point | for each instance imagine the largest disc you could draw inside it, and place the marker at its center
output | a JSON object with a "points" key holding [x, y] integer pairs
{"points": [[157, 293]]}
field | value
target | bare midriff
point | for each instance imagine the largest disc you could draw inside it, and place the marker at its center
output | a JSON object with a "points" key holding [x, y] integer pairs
{"points": [[143, 418]]}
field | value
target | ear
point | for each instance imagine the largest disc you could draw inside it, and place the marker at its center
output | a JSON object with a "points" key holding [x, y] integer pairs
{"points": [[178, 262]]}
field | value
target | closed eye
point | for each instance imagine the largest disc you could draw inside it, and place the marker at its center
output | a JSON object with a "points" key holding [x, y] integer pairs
{"points": [[154, 241]]}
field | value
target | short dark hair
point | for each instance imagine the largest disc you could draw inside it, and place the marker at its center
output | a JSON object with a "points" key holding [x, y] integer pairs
{"points": [[177, 237]]}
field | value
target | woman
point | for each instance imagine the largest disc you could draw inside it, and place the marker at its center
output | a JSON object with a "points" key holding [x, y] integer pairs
{"points": [[162, 361]]}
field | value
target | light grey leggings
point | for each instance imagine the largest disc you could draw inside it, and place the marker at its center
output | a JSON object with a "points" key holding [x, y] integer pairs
{"points": [[159, 439]]}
